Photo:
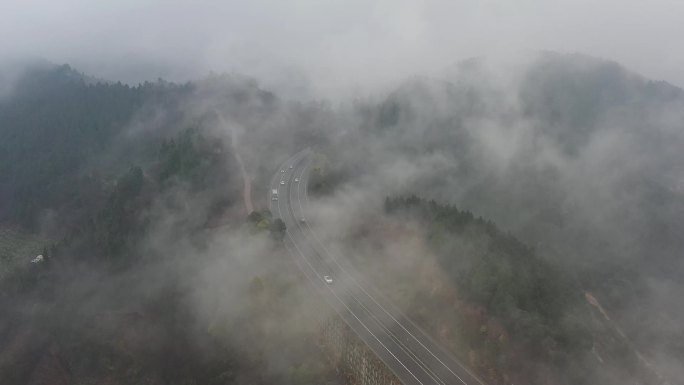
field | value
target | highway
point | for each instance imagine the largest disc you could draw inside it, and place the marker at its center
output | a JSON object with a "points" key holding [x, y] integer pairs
{"points": [[414, 357]]}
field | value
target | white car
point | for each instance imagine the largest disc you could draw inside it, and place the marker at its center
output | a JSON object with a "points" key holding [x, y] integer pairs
{"points": [[302, 219], [282, 170], [296, 180], [327, 279], [282, 182], [274, 198], [291, 166]]}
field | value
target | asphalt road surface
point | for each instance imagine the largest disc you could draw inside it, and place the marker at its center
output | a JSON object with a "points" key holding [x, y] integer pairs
{"points": [[414, 357]]}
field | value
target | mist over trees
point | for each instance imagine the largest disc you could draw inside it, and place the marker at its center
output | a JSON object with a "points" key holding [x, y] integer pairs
{"points": [[123, 186], [517, 192], [577, 157]]}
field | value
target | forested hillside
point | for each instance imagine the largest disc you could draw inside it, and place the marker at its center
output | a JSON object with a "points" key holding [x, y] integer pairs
{"points": [[116, 187], [575, 156], [55, 129], [512, 314], [533, 225]]}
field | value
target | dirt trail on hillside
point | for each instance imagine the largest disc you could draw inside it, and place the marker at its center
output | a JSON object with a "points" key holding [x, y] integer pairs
{"points": [[246, 181]]}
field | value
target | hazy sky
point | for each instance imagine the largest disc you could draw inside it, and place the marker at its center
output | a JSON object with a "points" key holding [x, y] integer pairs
{"points": [[326, 47]]}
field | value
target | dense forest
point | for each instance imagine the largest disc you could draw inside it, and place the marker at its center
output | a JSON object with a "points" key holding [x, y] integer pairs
{"points": [[56, 127], [577, 157], [531, 224], [125, 189], [514, 315]]}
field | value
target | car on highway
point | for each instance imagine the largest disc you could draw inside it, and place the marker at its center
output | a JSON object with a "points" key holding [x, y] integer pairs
{"points": [[274, 198], [296, 180], [328, 279], [282, 182]]}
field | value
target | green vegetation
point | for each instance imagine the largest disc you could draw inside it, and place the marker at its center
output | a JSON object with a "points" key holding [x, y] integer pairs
{"points": [[120, 219], [526, 304], [116, 222], [56, 124], [17, 248], [578, 157], [268, 323], [325, 176], [125, 180], [116, 299], [191, 158], [263, 220]]}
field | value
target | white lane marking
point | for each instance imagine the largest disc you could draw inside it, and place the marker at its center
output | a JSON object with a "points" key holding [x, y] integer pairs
{"points": [[268, 196], [424, 367], [339, 299], [342, 302], [306, 198]]}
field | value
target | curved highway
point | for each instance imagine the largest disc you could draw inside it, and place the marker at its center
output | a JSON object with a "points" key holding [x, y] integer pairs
{"points": [[408, 352]]}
